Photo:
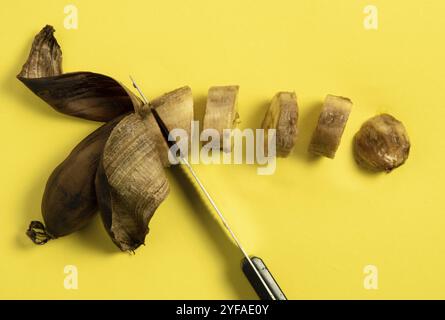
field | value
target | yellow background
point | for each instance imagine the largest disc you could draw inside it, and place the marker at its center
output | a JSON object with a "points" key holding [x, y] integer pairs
{"points": [[316, 223]]}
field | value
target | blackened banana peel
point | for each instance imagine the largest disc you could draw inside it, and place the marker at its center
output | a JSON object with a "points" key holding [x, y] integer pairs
{"points": [[129, 150]]}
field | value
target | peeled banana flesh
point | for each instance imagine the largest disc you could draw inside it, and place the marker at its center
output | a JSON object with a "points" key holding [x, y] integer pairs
{"points": [[282, 116], [331, 124], [222, 113], [176, 111]]}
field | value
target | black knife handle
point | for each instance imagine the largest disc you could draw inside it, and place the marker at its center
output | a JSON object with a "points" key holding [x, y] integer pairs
{"points": [[267, 277]]}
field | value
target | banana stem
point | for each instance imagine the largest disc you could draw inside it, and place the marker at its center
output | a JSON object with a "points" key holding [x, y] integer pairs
{"points": [[37, 233]]}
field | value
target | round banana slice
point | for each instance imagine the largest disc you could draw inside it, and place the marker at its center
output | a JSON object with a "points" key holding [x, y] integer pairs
{"points": [[381, 144], [282, 116], [331, 124], [222, 112]]}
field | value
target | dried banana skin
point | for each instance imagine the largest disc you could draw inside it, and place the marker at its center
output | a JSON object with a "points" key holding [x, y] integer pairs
{"points": [[69, 200], [85, 95], [331, 124], [118, 166], [381, 144], [282, 116], [130, 182], [222, 111]]}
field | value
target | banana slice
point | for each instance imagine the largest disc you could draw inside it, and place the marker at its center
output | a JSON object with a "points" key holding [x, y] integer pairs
{"points": [[282, 115], [331, 124], [176, 110], [381, 144], [222, 111]]}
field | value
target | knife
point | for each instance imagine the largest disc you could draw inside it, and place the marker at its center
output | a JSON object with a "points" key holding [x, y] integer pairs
{"points": [[254, 268]]}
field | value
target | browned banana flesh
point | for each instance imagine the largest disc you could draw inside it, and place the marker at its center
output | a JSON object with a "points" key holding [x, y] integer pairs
{"points": [[175, 108], [69, 200], [282, 116], [86, 95], [381, 144], [331, 124], [222, 112]]}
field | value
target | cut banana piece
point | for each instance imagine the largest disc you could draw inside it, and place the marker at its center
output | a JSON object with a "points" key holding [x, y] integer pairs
{"points": [[330, 127], [282, 116], [222, 112], [382, 144], [175, 108]]}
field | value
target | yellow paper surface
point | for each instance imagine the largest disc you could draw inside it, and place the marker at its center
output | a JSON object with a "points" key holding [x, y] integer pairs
{"points": [[316, 223]]}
